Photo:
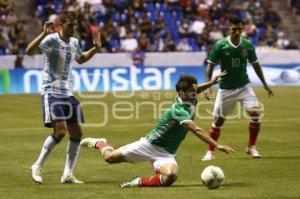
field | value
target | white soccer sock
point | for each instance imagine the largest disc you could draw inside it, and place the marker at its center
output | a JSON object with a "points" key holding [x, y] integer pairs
{"points": [[72, 156], [47, 148]]}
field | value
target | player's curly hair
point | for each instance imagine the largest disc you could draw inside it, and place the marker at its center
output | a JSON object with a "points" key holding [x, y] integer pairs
{"points": [[185, 82], [67, 15]]}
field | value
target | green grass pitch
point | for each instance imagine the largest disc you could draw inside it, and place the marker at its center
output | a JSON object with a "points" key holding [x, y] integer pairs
{"points": [[276, 175]]}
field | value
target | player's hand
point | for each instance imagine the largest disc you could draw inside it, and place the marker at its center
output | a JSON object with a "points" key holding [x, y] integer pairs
{"points": [[270, 92], [48, 27], [217, 78], [97, 39], [225, 148]]}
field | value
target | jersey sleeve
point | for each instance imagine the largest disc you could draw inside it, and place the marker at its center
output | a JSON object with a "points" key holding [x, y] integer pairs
{"points": [[252, 54], [78, 49], [46, 45], [214, 54], [180, 114]]}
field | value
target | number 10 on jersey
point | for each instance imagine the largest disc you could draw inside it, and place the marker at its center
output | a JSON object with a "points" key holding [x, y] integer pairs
{"points": [[235, 62]]}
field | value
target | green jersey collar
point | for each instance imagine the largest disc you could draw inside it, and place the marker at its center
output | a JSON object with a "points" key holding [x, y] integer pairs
{"points": [[180, 102], [228, 39]]}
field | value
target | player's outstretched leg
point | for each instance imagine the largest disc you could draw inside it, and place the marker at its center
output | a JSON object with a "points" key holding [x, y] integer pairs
{"points": [[91, 142], [135, 182], [153, 181], [100, 144], [166, 176]]}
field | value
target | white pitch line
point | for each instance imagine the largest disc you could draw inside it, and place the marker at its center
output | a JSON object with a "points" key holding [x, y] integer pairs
{"points": [[142, 124]]}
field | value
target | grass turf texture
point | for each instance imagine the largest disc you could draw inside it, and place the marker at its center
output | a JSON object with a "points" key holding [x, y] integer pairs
{"points": [[276, 175]]}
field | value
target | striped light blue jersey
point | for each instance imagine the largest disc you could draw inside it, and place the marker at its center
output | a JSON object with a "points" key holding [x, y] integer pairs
{"points": [[57, 74]]}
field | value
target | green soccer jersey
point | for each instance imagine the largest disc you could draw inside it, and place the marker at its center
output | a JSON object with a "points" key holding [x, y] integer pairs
{"points": [[234, 60], [168, 133]]}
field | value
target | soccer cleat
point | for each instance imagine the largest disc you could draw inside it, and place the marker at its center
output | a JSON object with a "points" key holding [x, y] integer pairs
{"points": [[36, 173], [70, 179], [253, 152], [210, 155], [91, 142], [133, 183]]}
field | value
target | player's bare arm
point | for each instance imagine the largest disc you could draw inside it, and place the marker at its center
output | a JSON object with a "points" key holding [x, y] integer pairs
{"points": [[200, 133], [260, 74], [206, 85], [33, 46], [91, 52]]}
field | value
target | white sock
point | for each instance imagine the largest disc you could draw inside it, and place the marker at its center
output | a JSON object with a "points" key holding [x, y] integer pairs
{"points": [[47, 148], [72, 156]]}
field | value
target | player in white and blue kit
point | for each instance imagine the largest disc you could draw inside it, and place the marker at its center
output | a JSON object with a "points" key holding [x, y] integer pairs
{"points": [[61, 110]]}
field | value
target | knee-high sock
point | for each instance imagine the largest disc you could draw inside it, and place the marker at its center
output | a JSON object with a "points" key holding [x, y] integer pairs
{"points": [[254, 128], [153, 181], [73, 148], [46, 150], [103, 147], [214, 133]]}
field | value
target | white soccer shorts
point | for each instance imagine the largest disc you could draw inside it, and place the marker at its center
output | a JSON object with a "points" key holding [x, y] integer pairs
{"points": [[142, 151], [226, 100]]}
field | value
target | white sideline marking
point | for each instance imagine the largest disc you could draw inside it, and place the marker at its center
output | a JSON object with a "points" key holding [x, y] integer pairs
{"points": [[142, 124]]}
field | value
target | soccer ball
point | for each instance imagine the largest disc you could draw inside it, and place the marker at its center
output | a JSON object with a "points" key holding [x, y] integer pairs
{"points": [[212, 177]]}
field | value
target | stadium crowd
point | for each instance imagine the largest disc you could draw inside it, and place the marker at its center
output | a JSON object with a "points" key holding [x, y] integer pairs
{"points": [[151, 25], [295, 5]]}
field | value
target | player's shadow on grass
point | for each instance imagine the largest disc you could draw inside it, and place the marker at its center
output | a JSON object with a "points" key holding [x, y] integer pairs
{"points": [[102, 182], [187, 185], [226, 185], [283, 157], [236, 184]]}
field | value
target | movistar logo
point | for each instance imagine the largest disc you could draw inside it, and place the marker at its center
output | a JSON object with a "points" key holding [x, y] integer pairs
{"points": [[4, 81]]}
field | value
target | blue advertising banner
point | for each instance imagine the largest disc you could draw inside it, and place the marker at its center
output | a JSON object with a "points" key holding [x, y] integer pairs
{"points": [[102, 79], [15, 81]]}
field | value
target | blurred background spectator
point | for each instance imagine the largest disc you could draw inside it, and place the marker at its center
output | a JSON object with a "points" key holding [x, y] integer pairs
{"points": [[138, 57], [151, 25], [295, 4], [19, 61]]}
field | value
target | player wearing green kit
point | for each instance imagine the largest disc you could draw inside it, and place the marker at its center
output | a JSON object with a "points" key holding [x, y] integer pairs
{"points": [[233, 54], [160, 145], [169, 132], [233, 59]]}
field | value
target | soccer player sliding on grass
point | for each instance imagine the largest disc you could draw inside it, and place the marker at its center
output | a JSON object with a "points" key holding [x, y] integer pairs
{"points": [[161, 143]]}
